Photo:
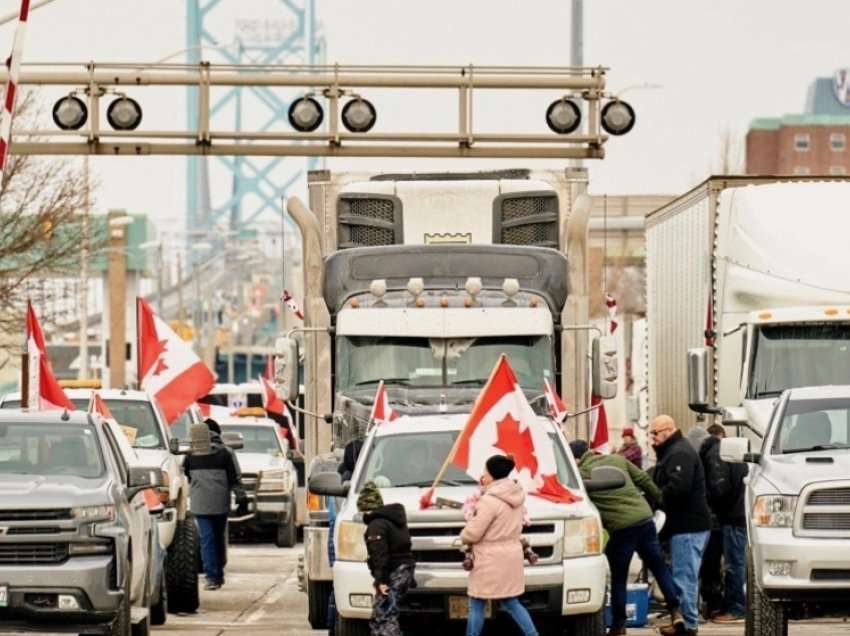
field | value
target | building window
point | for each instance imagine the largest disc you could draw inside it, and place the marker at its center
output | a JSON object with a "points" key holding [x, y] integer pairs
{"points": [[837, 141], [801, 142], [801, 170], [837, 171]]}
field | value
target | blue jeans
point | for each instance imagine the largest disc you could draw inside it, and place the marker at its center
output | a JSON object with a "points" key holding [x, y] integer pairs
{"points": [[734, 556], [212, 529], [512, 606], [622, 545], [686, 557]]}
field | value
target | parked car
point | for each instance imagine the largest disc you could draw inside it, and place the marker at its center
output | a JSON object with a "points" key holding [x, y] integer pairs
{"points": [[78, 546]]}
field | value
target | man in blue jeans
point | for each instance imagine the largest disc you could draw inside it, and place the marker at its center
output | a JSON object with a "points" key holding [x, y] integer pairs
{"points": [[680, 476]]}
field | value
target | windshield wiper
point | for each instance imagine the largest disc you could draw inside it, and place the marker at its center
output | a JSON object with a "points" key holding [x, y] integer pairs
{"points": [[404, 381], [474, 381], [817, 447], [771, 393]]}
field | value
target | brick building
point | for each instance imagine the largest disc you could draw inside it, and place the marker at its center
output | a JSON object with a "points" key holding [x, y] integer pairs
{"points": [[816, 142]]}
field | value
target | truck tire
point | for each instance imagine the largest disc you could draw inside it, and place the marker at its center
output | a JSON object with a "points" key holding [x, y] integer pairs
{"points": [[159, 608], [181, 568], [287, 533], [586, 624], [768, 618], [750, 618], [318, 599], [351, 627]]}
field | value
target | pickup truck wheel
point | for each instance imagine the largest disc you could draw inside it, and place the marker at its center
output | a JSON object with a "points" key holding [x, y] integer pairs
{"points": [[318, 599], [287, 534], [751, 618], [351, 627], [586, 624], [159, 609], [181, 568], [769, 618]]}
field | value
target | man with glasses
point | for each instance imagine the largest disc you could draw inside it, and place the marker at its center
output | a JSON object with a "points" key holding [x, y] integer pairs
{"points": [[680, 476]]}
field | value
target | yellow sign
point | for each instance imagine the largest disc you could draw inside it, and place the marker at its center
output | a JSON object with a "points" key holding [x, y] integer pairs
{"points": [[131, 433]]}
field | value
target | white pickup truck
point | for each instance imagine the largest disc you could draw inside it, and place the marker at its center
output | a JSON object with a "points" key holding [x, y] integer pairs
{"points": [[565, 587]]}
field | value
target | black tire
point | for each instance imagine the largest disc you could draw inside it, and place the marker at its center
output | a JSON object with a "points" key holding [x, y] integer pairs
{"points": [[318, 600], [287, 533], [159, 608], [121, 626], [765, 617], [181, 568], [586, 624], [750, 618], [351, 627]]}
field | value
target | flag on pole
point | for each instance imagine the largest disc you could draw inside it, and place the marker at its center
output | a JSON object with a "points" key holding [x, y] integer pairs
{"points": [[289, 301], [598, 426], [11, 93], [274, 406], [50, 395], [557, 408], [168, 368], [268, 373], [381, 413], [502, 422], [611, 304], [97, 405]]}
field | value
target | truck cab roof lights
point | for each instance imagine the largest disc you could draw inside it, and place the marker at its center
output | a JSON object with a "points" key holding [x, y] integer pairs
{"points": [[830, 311], [378, 287], [533, 302], [765, 315], [444, 301], [354, 303], [420, 302], [473, 288]]}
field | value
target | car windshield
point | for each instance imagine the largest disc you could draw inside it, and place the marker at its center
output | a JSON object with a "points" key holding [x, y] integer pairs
{"points": [[364, 361], [813, 425], [793, 355], [49, 449], [257, 439], [135, 414], [415, 459]]}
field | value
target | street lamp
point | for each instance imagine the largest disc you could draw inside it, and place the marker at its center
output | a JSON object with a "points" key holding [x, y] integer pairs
{"points": [[617, 117], [563, 116]]}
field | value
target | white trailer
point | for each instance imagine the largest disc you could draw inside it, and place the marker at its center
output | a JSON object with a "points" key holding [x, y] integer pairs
{"points": [[748, 294]]}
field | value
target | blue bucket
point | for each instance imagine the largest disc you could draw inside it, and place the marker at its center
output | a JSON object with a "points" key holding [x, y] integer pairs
{"points": [[637, 605]]}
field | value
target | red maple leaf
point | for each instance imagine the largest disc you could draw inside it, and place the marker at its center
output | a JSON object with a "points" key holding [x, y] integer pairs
{"points": [[156, 355], [519, 445], [160, 366]]}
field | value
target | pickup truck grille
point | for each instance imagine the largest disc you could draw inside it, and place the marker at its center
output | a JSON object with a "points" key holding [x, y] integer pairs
{"points": [[57, 514], [456, 556], [830, 497], [249, 482], [826, 521], [825, 510], [33, 553]]}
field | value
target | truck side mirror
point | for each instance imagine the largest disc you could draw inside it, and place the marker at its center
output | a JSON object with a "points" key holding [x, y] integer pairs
{"points": [[698, 371], [605, 367], [736, 450], [174, 446], [286, 368], [329, 484], [143, 479], [605, 478]]}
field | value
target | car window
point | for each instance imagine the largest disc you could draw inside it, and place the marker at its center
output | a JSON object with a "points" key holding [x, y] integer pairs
{"points": [[50, 449], [812, 425], [123, 470], [135, 414], [257, 439]]}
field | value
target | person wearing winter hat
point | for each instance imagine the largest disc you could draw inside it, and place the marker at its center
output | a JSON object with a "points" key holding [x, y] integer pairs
{"points": [[390, 558], [495, 534], [630, 448]]}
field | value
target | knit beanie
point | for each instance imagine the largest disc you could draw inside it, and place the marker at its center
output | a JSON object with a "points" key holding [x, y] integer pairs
{"points": [[213, 426], [199, 437], [369, 498], [579, 448], [500, 466]]}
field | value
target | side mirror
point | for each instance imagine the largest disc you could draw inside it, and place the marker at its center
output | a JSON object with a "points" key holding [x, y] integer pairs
{"points": [[143, 479], [328, 484], [698, 372], [234, 441], [286, 368], [736, 450], [605, 478], [174, 446], [605, 367]]}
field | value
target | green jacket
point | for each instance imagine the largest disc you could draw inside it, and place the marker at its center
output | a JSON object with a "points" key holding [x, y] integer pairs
{"points": [[622, 507]]}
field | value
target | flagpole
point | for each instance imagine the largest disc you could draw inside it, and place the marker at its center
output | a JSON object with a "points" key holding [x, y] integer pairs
{"points": [[139, 345]]}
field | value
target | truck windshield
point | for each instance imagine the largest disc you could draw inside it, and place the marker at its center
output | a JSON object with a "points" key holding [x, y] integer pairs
{"points": [[136, 414], [415, 459], [48, 449], [813, 425], [257, 439], [439, 362], [795, 355]]}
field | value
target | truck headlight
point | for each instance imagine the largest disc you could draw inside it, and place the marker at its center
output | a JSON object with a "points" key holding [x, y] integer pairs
{"points": [[774, 511], [351, 542], [274, 480], [582, 537], [94, 513]]}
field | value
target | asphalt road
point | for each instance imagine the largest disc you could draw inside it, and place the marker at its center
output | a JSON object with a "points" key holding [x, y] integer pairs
{"points": [[261, 597]]}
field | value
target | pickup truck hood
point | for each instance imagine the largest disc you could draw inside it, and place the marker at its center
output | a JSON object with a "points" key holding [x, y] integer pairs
{"points": [[538, 509], [791, 473], [256, 462], [759, 412], [34, 492]]}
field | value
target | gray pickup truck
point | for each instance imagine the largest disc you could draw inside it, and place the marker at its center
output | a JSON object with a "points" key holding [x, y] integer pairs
{"points": [[77, 542], [798, 510]]}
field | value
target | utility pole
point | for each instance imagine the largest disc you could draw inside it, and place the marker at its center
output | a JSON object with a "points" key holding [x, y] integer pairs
{"points": [[84, 282], [577, 48], [117, 285]]}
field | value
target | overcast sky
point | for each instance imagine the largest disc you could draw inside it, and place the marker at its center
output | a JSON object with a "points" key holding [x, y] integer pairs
{"points": [[720, 63]]}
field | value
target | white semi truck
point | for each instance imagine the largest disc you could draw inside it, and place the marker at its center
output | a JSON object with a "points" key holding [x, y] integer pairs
{"points": [[748, 295], [422, 281]]}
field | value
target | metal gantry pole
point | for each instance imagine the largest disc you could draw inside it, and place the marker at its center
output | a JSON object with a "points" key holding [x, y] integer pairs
{"points": [[84, 280]]}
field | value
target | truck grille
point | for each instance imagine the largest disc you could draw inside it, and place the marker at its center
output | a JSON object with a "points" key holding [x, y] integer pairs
{"points": [[456, 556], [830, 575], [249, 481], [454, 531], [830, 497], [56, 514], [368, 220], [526, 220], [33, 553], [826, 521]]}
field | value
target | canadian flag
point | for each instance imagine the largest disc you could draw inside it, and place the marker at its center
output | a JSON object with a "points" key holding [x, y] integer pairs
{"points": [[97, 405], [50, 394], [557, 408], [289, 301], [168, 368], [275, 406], [598, 426], [502, 422], [381, 413]]}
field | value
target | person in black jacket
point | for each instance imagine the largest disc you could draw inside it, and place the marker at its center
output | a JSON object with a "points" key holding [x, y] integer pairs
{"points": [[726, 495], [390, 558], [711, 572], [680, 476]]}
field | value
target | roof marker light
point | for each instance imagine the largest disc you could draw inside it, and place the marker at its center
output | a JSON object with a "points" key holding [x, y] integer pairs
{"points": [[510, 287], [378, 287]]}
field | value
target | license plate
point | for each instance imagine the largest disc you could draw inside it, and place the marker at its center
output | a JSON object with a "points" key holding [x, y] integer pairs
{"points": [[4, 596], [459, 608]]}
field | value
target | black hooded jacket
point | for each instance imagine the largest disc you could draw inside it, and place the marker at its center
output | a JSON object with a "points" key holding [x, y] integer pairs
{"points": [[680, 476], [724, 485], [387, 540]]}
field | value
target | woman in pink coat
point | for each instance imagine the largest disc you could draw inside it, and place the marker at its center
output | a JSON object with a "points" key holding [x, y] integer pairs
{"points": [[494, 533]]}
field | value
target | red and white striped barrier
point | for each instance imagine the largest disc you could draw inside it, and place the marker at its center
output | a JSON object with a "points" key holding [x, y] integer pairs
{"points": [[11, 94]]}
